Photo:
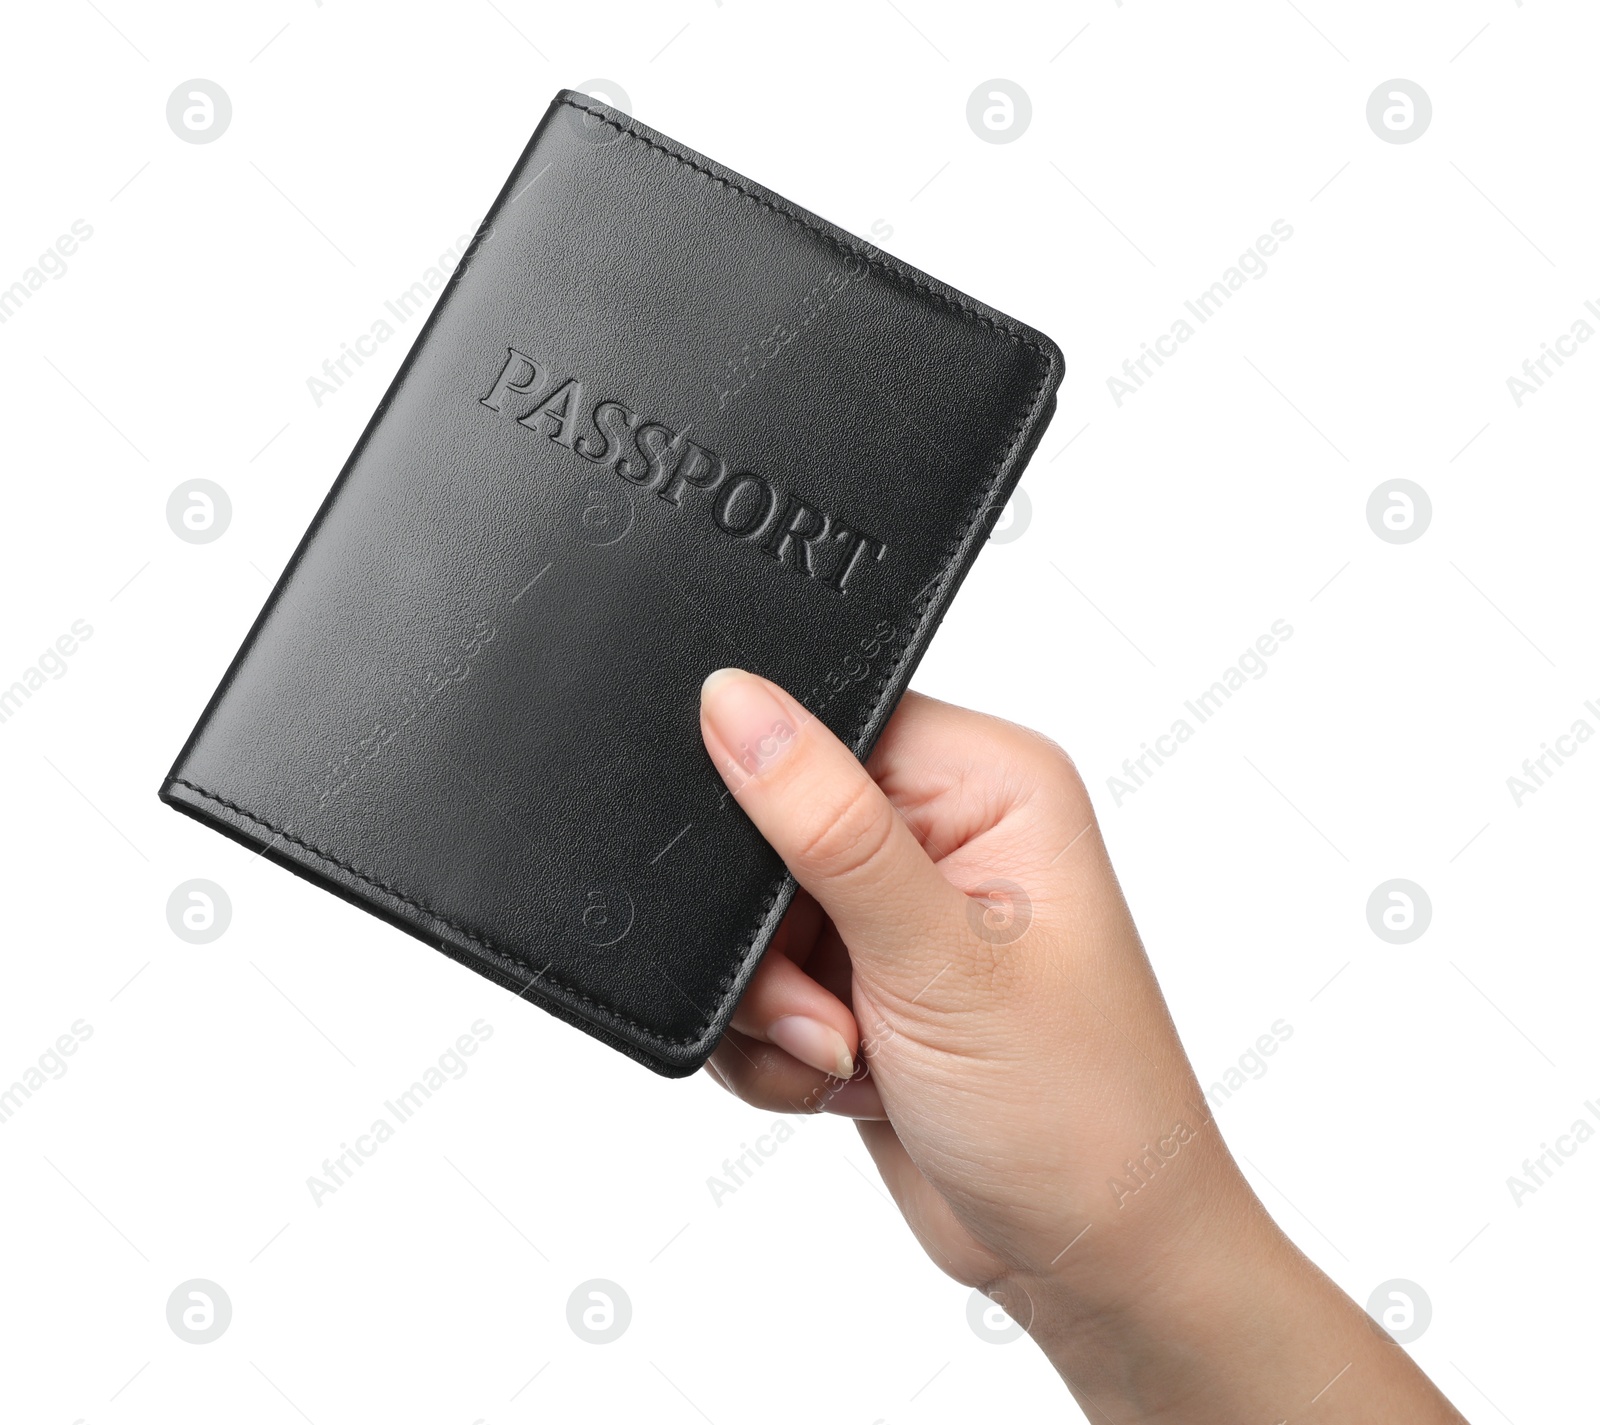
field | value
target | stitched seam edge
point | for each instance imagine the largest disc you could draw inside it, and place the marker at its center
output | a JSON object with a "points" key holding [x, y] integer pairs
{"points": [[922, 611], [283, 835], [919, 615], [893, 271]]}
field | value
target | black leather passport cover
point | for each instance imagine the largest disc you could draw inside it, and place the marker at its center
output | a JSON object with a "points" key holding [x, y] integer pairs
{"points": [[661, 421]]}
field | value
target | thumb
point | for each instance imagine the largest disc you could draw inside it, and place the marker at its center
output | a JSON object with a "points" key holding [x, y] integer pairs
{"points": [[833, 827]]}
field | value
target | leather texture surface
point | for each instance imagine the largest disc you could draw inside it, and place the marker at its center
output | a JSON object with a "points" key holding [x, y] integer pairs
{"points": [[660, 421]]}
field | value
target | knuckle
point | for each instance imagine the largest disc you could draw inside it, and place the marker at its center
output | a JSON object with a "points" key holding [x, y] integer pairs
{"points": [[1053, 770], [846, 838], [1051, 757]]}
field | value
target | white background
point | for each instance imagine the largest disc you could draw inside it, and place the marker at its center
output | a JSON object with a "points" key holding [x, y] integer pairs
{"points": [[1166, 535]]}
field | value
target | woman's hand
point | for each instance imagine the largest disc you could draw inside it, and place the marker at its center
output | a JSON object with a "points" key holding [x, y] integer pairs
{"points": [[960, 973]]}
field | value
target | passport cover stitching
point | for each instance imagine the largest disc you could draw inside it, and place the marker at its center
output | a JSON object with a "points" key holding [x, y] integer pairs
{"points": [[904, 279], [280, 834]]}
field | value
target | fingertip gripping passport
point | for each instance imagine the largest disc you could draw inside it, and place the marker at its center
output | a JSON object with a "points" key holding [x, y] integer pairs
{"points": [[660, 421]]}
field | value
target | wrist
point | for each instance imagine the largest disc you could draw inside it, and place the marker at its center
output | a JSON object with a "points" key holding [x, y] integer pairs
{"points": [[1219, 1320], [1149, 1283], [1146, 1340]]}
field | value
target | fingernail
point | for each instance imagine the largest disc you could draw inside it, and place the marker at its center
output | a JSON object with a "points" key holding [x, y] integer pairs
{"points": [[813, 1042], [751, 724]]}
